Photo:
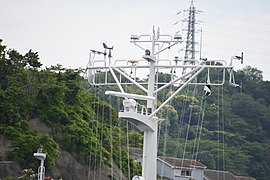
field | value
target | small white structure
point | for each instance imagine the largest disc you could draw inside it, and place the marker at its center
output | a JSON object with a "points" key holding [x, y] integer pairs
{"points": [[41, 170], [137, 178], [130, 105]]}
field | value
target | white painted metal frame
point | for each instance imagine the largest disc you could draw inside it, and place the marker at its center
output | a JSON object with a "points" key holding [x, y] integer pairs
{"points": [[147, 121]]}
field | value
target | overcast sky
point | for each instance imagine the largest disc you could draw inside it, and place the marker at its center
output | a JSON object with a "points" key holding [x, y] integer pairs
{"points": [[64, 31]]}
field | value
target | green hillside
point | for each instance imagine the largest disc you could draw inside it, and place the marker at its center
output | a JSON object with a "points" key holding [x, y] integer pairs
{"points": [[235, 132], [230, 129], [57, 96]]}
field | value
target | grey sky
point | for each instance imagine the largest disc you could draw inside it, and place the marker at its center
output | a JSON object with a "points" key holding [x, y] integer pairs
{"points": [[63, 31]]}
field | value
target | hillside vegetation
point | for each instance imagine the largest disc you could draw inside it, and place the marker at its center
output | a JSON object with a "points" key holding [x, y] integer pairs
{"points": [[81, 124], [229, 130], [235, 132]]}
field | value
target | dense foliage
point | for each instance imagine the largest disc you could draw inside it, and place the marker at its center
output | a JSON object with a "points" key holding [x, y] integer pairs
{"points": [[80, 123], [17, 106], [229, 130], [234, 134]]}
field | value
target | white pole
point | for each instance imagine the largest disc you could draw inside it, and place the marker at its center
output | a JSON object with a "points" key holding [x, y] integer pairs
{"points": [[41, 171], [150, 137]]}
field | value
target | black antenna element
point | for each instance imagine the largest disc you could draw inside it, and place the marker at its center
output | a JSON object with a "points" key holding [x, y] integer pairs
{"points": [[240, 57], [106, 47], [96, 52], [109, 48]]}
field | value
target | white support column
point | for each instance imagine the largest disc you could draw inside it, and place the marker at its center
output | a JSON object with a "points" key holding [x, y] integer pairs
{"points": [[149, 170], [41, 170], [150, 137]]}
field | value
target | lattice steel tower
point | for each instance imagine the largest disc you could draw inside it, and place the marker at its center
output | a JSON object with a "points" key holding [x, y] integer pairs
{"points": [[190, 41]]}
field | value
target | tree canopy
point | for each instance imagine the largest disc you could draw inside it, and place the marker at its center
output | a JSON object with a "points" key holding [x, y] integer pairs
{"points": [[234, 133]]}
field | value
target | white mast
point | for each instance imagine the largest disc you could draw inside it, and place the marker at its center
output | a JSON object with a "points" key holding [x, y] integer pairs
{"points": [[41, 170], [145, 118]]}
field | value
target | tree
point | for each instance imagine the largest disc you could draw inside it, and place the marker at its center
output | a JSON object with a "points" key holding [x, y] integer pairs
{"points": [[27, 174]]}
